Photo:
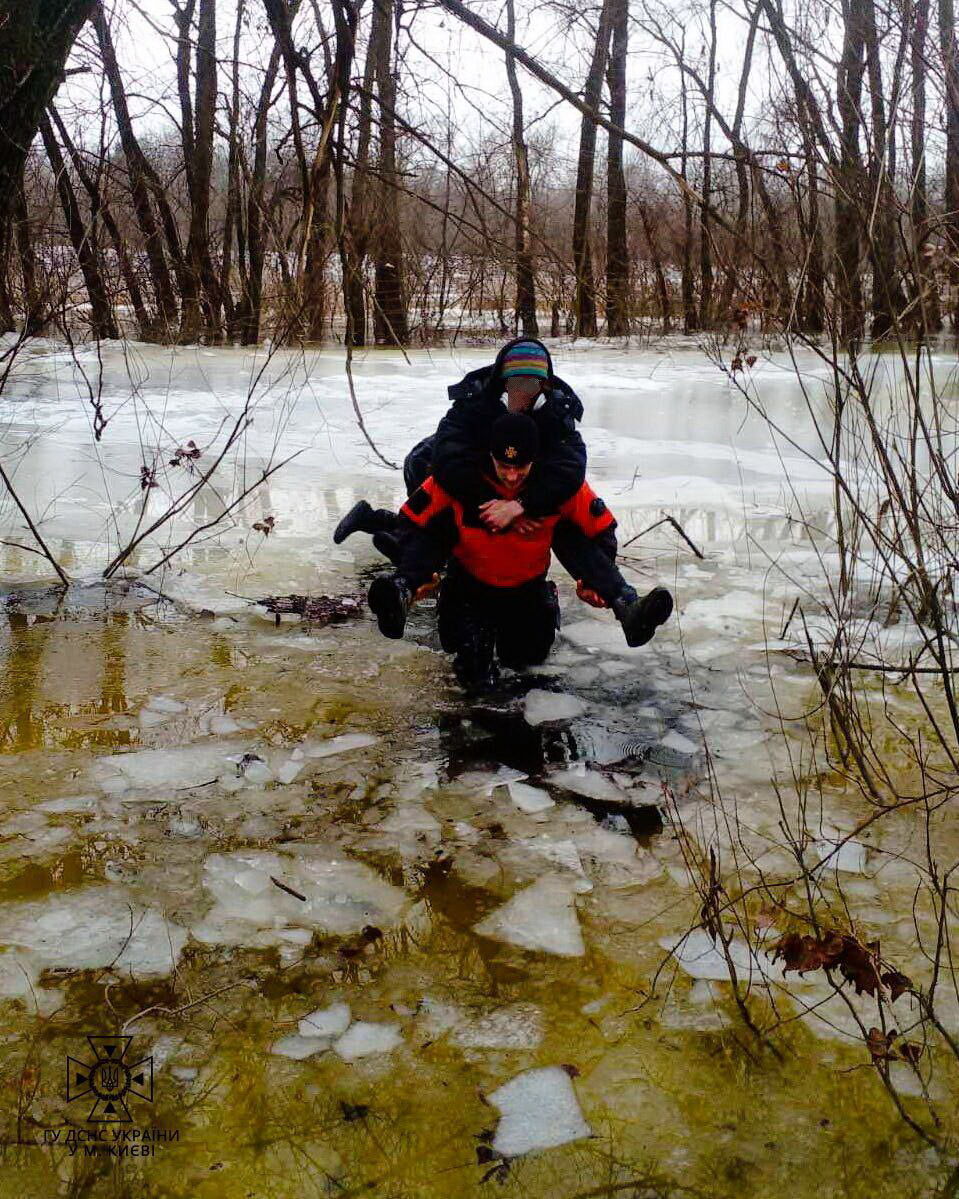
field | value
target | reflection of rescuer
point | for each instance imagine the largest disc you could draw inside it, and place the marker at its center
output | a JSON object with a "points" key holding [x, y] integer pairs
{"points": [[495, 596], [457, 458]]}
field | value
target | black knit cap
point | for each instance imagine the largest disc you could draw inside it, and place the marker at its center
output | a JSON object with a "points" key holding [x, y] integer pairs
{"points": [[514, 439]]}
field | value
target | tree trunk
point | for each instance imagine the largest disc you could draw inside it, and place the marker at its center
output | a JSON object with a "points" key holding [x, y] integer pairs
{"points": [[100, 208], [102, 323], [137, 170], [617, 245], [584, 303], [525, 283], [886, 292], [390, 323], [850, 214], [705, 236], [357, 216], [36, 37], [201, 305], [929, 315], [950, 68]]}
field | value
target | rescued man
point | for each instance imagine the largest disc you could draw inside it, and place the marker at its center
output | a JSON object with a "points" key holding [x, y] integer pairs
{"points": [[496, 601], [457, 457]]}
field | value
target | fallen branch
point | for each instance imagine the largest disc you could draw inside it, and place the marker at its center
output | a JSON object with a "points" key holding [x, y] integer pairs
{"points": [[319, 609]]}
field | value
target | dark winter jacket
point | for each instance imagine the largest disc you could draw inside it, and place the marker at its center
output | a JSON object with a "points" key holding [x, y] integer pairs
{"points": [[461, 446]]}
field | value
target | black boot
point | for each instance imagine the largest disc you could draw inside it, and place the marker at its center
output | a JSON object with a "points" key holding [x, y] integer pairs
{"points": [[361, 518], [641, 618], [390, 598]]}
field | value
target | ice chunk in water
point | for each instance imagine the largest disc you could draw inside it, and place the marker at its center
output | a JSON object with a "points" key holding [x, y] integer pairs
{"points": [[540, 707], [591, 783], [288, 771], [530, 799], [164, 703], [186, 766], [338, 745], [539, 1110], [300, 1047], [330, 1021], [364, 1038], [700, 957], [836, 854], [68, 803], [482, 782], [675, 740], [90, 928], [540, 917], [560, 853], [518, 1026], [249, 909]]}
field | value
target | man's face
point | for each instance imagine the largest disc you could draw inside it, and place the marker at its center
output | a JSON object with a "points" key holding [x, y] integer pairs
{"points": [[512, 477], [521, 392]]}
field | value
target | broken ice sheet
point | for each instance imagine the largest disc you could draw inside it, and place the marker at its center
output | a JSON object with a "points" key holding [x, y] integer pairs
{"points": [[482, 782], [539, 1110], [171, 769], [835, 853], [540, 707], [593, 784], [530, 799], [90, 928], [517, 1026], [330, 1021], [540, 917], [701, 957], [341, 896], [364, 1039], [337, 745], [299, 1048]]}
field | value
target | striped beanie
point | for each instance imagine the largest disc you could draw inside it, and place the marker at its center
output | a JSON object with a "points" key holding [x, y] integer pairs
{"points": [[525, 358]]}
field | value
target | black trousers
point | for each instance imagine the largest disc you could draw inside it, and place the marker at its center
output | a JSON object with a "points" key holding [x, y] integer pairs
{"points": [[519, 623]]}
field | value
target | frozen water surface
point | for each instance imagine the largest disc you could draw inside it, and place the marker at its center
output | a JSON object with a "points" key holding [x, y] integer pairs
{"points": [[303, 843]]}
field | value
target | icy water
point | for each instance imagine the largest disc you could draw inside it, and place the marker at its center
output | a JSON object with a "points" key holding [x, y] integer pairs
{"points": [[375, 939]]}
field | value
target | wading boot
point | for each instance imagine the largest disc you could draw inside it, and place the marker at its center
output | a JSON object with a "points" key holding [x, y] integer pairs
{"points": [[473, 665], [390, 598], [641, 618]]}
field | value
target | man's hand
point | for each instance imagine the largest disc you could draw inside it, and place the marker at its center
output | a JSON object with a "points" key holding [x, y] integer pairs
{"points": [[498, 515], [527, 525]]}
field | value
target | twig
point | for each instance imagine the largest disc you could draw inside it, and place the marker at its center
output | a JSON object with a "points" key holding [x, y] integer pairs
{"points": [[289, 890], [668, 520], [359, 415], [47, 552]]}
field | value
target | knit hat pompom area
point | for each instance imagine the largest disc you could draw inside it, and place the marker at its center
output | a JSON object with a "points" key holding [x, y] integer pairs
{"points": [[514, 439], [525, 358]]}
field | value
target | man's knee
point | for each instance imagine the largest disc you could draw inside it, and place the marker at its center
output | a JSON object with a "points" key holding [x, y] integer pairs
{"points": [[418, 464]]}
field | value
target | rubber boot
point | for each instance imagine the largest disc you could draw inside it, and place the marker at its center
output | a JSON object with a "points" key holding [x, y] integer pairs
{"points": [[641, 618], [473, 665], [390, 598]]}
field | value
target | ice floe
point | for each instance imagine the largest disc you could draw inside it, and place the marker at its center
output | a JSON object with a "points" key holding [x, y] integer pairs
{"points": [[540, 917], [342, 896], [529, 799], [540, 707], [363, 1039], [330, 1021], [539, 1110], [91, 928]]}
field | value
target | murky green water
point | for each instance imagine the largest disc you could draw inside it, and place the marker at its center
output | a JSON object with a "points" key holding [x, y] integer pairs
{"points": [[115, 920]]}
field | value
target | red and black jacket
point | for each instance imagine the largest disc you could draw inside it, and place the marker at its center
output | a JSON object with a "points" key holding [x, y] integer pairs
{"points": [[507, 558]]}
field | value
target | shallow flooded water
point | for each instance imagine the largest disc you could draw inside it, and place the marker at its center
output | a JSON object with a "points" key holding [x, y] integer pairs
{"points": [[372, 938]]}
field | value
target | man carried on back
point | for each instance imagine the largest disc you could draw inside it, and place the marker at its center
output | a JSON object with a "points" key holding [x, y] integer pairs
{"points": [[457, 457], [495, 600]]}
